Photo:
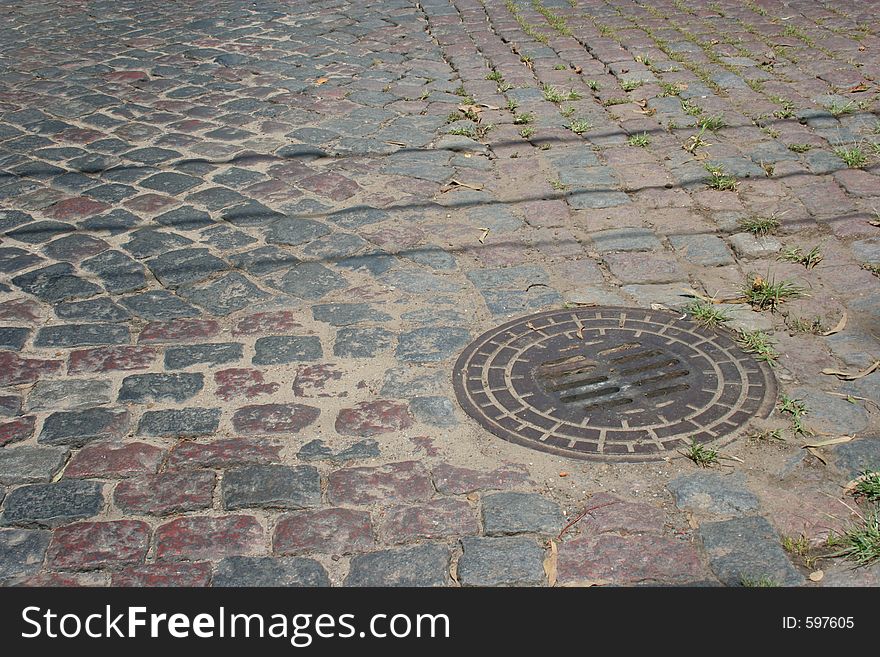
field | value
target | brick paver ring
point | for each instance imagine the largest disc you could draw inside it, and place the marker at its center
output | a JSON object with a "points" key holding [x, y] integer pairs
{"points": [[613, 383]]}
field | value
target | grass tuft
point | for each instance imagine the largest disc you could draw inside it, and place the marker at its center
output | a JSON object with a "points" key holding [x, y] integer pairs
{"points": [[759, 344], [701, 455], [706, 314], [767, 294], [642, 140]]}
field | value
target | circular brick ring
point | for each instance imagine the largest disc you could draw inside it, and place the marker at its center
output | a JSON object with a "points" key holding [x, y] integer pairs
{"points": [[612, 383]]}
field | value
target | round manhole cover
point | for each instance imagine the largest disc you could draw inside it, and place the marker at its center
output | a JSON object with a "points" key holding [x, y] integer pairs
{"points": [[611, 383]]}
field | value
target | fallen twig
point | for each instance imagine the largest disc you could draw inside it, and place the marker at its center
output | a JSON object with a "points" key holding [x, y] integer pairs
{"points": [[581, 517]]}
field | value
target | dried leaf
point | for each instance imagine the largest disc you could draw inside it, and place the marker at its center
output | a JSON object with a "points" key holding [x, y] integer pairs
{"points": [[862, 86], [321, 81], [816, 576], [839, 327], [484, 235], [659, 306], [452, 184], [563, 474], [874, 223], [852, 376], [815, 452], [476, 109], [831, 441], [531, 326], [580, 333], [550, 564]]}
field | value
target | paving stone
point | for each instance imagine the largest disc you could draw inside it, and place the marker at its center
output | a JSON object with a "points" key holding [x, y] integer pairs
{"points": [[225, 238], [271, 486], [178, 330], [10, 405], [13, 259], [74, 248], [17, 430], [310, 280], [38, 232], [211, 353], [166, 493], [404, 382], [81, 335], [279, 349], [201, 537], [629, 560], [107, 359], [505, 561], [827, 414], [436, 411], [76, 428], [114, 460], [142, 388], [164, 574], [433, 520], [710, 492], [358, 217], [373, 418], [242, 382], [171, 183], [270, 572], [859, 456], [98, 545], [21, 553], [55, 283], [406, 481], [13, 338], [100, 310], [176, 268], [223, 453], [69, 394], [26, 464], [15, 370], [625, 239], [50, 505], [707, 250], [158, 304], [317, 450], [346, 314], [431, 344], [746, 245], [148, 242], [422, 565], [644, 268], [264, 260], [186, 217], [516, 513], [324, 531], [250, 213], [274, 418], [747, 548], [224, 295], [454, 480], [179, 422], [362, 342], [335, 246], [293, 231]]}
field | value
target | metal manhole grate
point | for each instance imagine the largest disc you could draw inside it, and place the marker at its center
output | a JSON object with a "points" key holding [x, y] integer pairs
{"points": [[611, 383]]}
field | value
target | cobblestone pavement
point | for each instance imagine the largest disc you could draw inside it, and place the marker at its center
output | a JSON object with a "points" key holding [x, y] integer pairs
{"points": [[242, 248]]}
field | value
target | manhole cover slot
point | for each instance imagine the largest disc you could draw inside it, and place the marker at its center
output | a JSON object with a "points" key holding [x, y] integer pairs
{"points": [[609, 382]]}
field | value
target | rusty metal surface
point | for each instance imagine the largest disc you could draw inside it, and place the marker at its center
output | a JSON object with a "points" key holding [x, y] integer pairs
{"points": [[613, 383]]}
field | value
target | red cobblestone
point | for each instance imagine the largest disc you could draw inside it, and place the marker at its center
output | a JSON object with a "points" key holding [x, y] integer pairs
{"points": [[106, 359], [373, 418], [178, 330], [76, 208], [327, 531], [457, 480], [395, 482], [274, 418], [267, 322], [223, 453], [98, 545], [212, 538], [242, 382], [15, 370], [165, 493], [17, 430], [312, 380], [20, 310], [112, 460], [435, 519]]}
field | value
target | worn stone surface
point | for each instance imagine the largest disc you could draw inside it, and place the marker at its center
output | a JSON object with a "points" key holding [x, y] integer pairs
{"points": [[422, 565], [53, 504], [747, 549], [21, 553], [516, 513], [325, 531], [713, 493], [270, 571], [503, 561], [29, 465], [271, 486]]}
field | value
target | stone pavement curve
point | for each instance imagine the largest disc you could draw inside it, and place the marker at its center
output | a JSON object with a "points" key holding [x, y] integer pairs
{"points": [[241, 250]]}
